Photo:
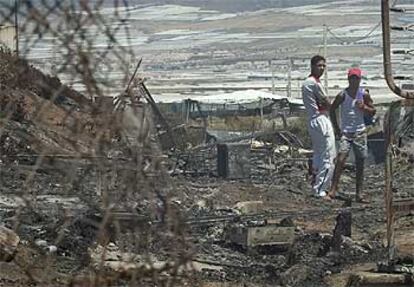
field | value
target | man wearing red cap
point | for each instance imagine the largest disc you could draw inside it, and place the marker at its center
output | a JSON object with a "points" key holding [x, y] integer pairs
{"points": [[355, 104]]}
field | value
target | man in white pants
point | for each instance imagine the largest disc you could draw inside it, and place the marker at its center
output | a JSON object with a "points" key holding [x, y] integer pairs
{"points": [[320, 128]]}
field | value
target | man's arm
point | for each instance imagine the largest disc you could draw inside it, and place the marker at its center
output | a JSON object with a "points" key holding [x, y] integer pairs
{"points": [[321, 98], [336, 103], [368, 105]]}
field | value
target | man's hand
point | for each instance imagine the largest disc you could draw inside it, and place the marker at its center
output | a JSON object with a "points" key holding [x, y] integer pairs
{"points": [[369, 108], [338, 134], [360, 105]]}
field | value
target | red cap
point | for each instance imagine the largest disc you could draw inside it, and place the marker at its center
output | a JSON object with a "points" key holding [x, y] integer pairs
{"points": [[355, 72]]}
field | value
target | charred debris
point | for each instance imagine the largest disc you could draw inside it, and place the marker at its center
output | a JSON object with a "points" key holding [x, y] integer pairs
{"points": [[125, 192]]}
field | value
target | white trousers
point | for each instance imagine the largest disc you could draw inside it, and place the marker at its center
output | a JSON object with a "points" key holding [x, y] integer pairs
{"points": [[324, 153]]}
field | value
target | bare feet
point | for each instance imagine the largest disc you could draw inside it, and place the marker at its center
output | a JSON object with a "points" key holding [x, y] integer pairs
{"points": [[331, 194], [328, 197]]}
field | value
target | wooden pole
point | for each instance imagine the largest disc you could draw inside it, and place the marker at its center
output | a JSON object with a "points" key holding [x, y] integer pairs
{"points": [[325, 54], [289, 78], [388, 193], [261, 113], [273, 77], [16, 24]]}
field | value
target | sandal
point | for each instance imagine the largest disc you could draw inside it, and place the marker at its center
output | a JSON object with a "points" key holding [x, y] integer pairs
{"points": [[331, 195]]}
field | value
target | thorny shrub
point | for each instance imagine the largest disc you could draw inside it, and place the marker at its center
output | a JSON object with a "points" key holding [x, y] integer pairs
{"points": [[93, 189]]}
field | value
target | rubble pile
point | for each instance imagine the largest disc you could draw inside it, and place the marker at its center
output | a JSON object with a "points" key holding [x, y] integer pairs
{"points": [[68, 184], [261, 155]]}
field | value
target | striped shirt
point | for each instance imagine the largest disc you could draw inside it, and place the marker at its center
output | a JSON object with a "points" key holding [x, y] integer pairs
{"points": [[352, 118]]}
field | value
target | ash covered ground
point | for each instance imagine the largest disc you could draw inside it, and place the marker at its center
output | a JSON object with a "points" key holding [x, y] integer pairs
{"points": [[87, 216]]}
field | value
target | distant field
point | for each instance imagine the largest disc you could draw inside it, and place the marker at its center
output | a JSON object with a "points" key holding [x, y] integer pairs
{"points": [[234, 5], [221, 5], [189, 43]]}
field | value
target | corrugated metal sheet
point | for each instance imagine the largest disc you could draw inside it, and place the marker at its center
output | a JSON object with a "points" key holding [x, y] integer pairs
{"points": [[7, 26], [8, 37]]}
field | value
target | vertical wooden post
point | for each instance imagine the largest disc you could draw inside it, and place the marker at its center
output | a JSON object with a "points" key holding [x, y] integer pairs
{"points": [[342, 228], [325, 54], [388, 204], [261, 113], [273, 80], [16, 24], [388, 196], [289, 78], [187, 117]]}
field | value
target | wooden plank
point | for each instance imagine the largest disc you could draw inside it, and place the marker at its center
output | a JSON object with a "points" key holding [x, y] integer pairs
{"points": [[269, 235], [403, 205], [381, 279]]}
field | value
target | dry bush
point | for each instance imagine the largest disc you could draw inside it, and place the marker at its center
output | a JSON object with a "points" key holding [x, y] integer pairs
{"points": [[87, 183]]}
